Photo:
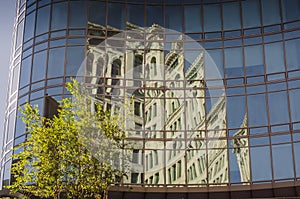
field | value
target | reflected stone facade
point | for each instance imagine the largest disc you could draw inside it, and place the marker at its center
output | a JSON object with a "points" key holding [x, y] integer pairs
{"points": [[214, 84]]}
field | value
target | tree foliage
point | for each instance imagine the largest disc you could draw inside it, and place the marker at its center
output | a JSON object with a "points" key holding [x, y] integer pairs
{"points": [[77, 152]]}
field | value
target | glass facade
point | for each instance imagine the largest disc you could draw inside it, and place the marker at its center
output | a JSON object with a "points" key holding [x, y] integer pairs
{"points": [[215, 83]]}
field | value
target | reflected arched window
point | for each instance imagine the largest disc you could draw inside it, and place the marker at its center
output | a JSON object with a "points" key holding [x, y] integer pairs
{"points": [[100, 66], [89, 64], [138, 69], [116, 68], [153, 65]]}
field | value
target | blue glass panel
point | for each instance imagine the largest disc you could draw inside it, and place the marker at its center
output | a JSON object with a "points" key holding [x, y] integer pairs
{"points": [[233, 42], [295, 105], [135, 14], [262, 130], [20, 126], [173, 17], [260, 163], [254, 60], [277, 139], [256, 141], [236, 33], [154, 15], [252, 40], [25, 72], [282, 158], [235, 90], [19, 36], [213, 64], [273, 37], [97, 13], [256, 89], [253, 31], [257, 110], [56, 62], [235, 118], [274, 57], [39, 66], [212, 18], [251, 13], [192, 19], [29, 26], [77, 17], [234, 62], [270, 12], [291, 25], [274, 28], [297, 158], [43, 20], [11, 126], [276, 86], [59, 16], [278, 107], [292, 48], [231, 16], [280, 128], [290, 10], [116, 15], [75, 58], [234, 168]]}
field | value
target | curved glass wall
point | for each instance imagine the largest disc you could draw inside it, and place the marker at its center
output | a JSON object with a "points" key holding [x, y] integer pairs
{"points": [[216, 84]]}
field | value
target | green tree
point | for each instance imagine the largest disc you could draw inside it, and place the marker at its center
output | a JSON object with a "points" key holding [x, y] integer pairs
{"points": [[78, 151]]}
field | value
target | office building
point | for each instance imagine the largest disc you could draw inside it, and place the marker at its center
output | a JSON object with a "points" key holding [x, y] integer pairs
{"points": [[215, 87]]}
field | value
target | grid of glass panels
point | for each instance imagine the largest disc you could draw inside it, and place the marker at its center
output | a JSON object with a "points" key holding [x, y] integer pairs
{"points": [[237, 127]]}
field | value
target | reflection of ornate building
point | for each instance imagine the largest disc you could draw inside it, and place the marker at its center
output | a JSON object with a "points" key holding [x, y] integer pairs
{"points": [[200, 118], [169, 109]]}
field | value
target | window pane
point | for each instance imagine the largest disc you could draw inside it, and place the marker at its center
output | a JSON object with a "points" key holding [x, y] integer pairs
{"points": [[43, 20], [97, 13], [154, 15], [231, 16], [11, 126], [292, 48], [56, 62], [295, 105], [234, 168], [39, 66], [214, 64], [235, 118], [260, 163], [15, 78], [234, 62], [278, 107], [59, 16], [25, 72], [19, 37], [212, 18], [254, 60], [257, 110], [290, 10], [136, 14], [270, 12], [75, 58], [251, 13], [297, 158], [77, 14], [29, 26], [192, 19], [173, 18], [116, 15], [274, 57], [282, 161]]}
